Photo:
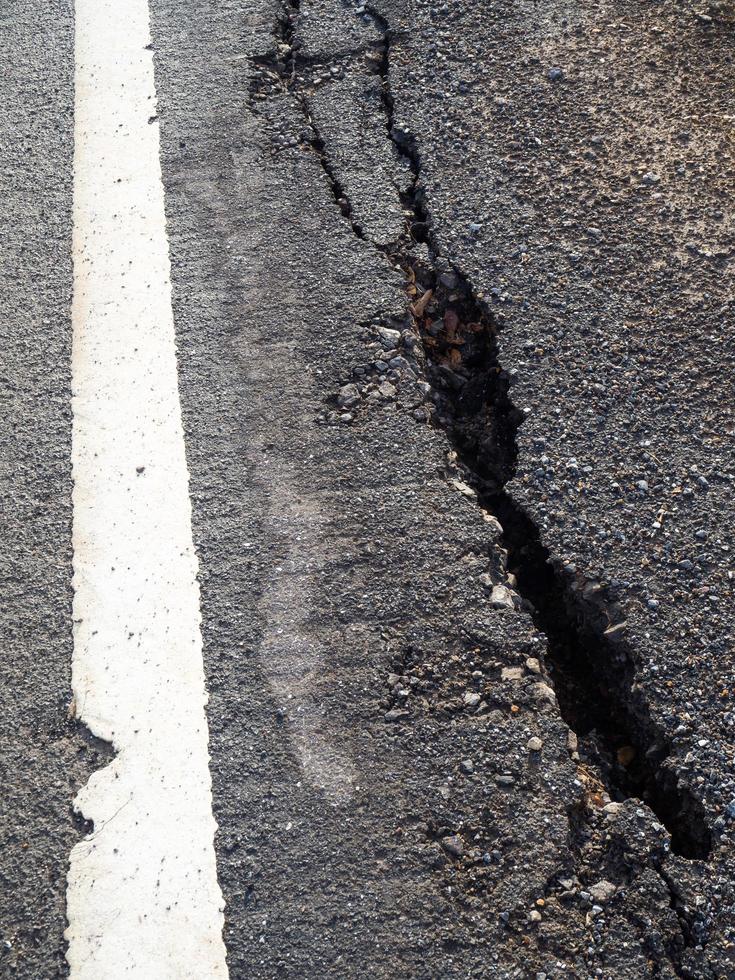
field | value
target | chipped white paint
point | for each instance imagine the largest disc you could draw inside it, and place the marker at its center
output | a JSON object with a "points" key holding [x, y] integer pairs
{"points": [[143, 898]]}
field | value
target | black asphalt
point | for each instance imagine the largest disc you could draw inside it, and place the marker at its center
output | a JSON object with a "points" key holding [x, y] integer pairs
{"points": [[350, 538], [577, 165]]}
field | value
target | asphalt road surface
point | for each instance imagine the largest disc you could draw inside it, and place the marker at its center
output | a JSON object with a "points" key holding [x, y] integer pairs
{"points": [[366, 474]]}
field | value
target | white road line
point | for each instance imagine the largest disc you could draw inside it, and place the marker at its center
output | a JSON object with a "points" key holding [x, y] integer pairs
{"points": [[143, 898]]}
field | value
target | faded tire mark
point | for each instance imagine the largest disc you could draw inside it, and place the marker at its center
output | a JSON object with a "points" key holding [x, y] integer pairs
{"points": [[291, 654]]}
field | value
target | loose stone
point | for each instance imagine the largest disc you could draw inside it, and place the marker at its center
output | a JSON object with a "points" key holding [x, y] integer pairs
{"points": [[453, 845], [348, 396], [603, 891], [501, 597]]}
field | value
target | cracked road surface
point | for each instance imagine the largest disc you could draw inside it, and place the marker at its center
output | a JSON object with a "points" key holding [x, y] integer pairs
{"points": [[451, 288]]}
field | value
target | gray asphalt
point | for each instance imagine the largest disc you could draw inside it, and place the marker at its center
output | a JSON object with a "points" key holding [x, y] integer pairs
{"points": [[578, 173], [44, 759], [395, 781]]}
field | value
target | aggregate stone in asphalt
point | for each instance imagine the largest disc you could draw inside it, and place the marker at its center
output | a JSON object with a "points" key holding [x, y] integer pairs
{"points": [[452, 292]]}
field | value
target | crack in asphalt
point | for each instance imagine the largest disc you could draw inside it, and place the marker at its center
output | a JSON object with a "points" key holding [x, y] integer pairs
{"points": [[590, 665], [589, 662], [338, 192], [281, 66]]}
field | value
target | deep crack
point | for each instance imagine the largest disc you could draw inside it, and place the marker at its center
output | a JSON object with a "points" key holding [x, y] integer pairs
{"points": [[338, 192], [590, 663], [591, 666]]}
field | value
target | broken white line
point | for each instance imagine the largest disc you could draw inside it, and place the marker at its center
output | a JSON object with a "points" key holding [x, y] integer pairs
{"points": [[143, 898]]}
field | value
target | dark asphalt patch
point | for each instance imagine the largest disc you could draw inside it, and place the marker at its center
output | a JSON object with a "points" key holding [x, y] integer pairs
{"points": [[352, 655], [348, 574]]}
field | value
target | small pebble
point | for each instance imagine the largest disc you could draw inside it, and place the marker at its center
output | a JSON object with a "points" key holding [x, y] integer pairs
{"points": [[542, 692], [348, 396], [389, 338], [602, 891], [453, 845], [501, 598], [396, 714]]}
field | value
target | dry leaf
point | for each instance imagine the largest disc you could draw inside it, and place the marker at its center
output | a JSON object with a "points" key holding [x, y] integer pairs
{"points": [[418, 308]]}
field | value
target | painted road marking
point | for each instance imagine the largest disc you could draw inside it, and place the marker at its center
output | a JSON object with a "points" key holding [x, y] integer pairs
{"points": [[143, 898]]}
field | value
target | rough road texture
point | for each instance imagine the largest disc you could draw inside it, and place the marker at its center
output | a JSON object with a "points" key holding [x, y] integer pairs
{"points": [[394, 781], [45, 756], [599, 140], [453, 295]]}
